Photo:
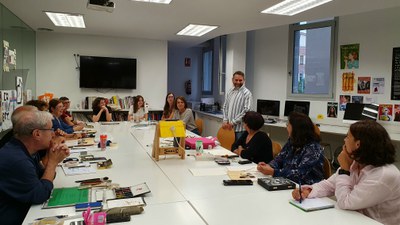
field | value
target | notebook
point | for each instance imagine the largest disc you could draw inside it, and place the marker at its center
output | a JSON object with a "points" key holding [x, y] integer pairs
{"points": [[312, 204]]}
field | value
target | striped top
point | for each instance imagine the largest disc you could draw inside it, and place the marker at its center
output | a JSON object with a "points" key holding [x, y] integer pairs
{"points": [[238, 101]]}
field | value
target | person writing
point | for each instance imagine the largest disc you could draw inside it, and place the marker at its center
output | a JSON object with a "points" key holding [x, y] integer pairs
{"points": [[301, 158], [137, 111], [182, 112], [101, 112], [23, 180], [237, 103], [168, 106], [254, 144], [367, 180]]}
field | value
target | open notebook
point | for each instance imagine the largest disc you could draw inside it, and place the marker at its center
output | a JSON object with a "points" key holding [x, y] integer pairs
{"points": [[312, 204]]}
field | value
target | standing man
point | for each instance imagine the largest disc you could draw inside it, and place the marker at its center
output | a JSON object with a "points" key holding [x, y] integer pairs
{"points": [[23, 179], [238, 101]]}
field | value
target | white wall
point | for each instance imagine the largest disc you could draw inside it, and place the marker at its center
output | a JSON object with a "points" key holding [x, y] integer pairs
{"points": [[56, 65], [235, 57], [377, 33]]}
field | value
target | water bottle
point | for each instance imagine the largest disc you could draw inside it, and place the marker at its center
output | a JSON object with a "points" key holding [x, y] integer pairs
{"points": [[199, 147]]}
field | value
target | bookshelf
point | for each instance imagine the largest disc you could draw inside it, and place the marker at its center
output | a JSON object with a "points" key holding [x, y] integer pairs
{"points": [[85, 115]]}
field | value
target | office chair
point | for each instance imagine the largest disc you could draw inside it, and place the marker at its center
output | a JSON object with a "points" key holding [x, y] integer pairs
{"points": [[226, 137], [199, 125], [276, 148]]}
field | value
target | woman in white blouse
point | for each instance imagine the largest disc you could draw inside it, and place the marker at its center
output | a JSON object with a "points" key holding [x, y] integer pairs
{"points": [[137, 111], [185, 114]]}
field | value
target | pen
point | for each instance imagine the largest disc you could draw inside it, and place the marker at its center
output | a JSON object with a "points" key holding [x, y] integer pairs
{"points": [[301, 198], [78, 148], [73, 167]]}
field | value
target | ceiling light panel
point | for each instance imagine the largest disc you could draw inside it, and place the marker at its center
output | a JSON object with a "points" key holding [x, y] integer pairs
{"points": [[154, 1], [292, 7], [196, 30], [66, 19]]}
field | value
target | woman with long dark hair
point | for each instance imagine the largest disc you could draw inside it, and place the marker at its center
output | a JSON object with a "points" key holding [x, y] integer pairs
{"points": [[301, 159], [168, 106], [137, 111], [101, 112], [367, 180]]}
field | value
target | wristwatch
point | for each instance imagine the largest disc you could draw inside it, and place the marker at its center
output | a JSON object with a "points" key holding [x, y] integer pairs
{"points": [[345, 172]]}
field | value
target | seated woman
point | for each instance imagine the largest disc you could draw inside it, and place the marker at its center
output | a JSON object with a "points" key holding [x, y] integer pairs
{"points": [[367, 180], [60, 128], [181, 112], [39, 104], [67, 117], [137, 111], [101, 112], [168, 107], [254, 144], [301, 159]]}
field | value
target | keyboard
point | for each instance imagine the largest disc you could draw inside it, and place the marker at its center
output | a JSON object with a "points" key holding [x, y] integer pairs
{"points": [[270, 121]]}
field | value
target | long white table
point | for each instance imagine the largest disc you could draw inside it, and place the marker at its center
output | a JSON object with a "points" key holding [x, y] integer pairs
{"points": [[179, 197]]}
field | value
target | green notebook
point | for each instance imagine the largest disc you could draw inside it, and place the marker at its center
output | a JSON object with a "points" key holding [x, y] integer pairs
{"points": [[69, 196]]}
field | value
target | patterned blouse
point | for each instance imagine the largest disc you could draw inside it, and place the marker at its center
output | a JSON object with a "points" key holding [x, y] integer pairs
{"points": [[304, 165]]}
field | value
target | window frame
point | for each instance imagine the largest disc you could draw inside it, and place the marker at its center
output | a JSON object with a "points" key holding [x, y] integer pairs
{"points": [[211, 65], [333, 23]]}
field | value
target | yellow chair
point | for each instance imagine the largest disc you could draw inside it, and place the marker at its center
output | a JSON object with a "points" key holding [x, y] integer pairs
{"points": [[199, 125], [226, 137], [276, 148], [327, 168]]}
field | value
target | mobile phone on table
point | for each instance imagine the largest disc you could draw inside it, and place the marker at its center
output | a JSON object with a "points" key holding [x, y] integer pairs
{"points": [[244, 162], [237, 182]]}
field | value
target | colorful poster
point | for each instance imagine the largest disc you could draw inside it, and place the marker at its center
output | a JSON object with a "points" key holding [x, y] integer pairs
{"points": [[332, 109], [348, 80], [343, 100], [349, 56], [363, 85], [9, 57], [378, 85], [385, 112], [397, 112]]}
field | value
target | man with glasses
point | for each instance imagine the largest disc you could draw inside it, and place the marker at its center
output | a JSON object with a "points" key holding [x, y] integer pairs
{"points": [[23, 180]]}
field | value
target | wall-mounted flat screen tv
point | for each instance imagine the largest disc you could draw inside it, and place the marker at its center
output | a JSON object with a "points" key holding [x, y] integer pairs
{"points": [[297, 106], [106, 72], [268, 107]]}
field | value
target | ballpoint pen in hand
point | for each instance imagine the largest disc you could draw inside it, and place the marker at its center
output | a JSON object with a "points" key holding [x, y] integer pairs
{"points": [[301, 198]]}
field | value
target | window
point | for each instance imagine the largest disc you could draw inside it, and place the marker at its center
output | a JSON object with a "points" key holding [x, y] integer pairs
{"points": [[222, 64], [207, 72], [311, 60]]}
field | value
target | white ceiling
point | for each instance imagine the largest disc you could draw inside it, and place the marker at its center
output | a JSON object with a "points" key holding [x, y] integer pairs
{"points": [[162, 22]]}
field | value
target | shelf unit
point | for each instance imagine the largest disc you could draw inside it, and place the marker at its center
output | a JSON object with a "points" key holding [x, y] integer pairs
{"points": [[85, 115]]}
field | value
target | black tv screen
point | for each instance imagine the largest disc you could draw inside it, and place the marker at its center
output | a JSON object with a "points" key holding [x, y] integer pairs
{"points": [[297, 106], [268, 107], [106, 72]]}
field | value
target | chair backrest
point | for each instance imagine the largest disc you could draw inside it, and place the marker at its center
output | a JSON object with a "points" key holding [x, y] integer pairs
{"points": [[327, 168], [199, 125], [226, 137], [276, 148]]}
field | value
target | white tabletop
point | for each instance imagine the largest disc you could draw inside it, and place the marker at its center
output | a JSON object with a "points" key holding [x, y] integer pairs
{"points": [[179, 197]]}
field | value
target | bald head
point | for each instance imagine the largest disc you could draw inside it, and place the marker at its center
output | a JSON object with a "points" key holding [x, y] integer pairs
{"points": [[28, 120], [15, 117]]}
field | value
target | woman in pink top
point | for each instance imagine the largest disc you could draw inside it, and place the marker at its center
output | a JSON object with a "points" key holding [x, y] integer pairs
{"points": [[367, 180]]}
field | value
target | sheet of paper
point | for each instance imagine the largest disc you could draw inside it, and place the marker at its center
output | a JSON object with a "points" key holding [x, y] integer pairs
{"points": [[69, 171], [208, 171], [137, 201], [247, 168], [219, 152], [70, 143]]}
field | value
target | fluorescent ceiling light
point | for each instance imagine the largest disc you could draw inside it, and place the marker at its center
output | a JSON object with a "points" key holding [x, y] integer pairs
{"points": [[196, 30], [154, 1], [292, 7], [66, 19]]}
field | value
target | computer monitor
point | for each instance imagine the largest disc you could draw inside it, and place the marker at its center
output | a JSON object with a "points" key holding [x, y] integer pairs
{"points": [[268, 107], [297, 106], [370, 112], [353, 112]]}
